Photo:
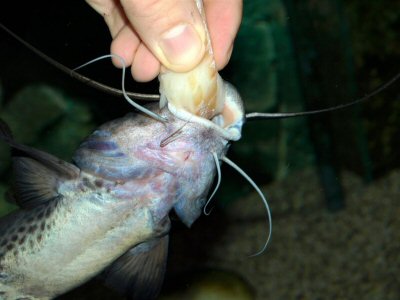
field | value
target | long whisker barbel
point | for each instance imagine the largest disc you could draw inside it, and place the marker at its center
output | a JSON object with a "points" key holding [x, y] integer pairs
{"points": [[125, 95], [257, 115], [156, 97], [205, 211], [80, 77], [264, 200]]}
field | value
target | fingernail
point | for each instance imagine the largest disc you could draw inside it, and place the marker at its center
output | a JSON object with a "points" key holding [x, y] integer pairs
{"points": [[182, 46]]}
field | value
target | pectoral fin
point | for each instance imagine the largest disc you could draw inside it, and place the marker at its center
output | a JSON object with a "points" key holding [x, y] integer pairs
{"points": [[62, 168], [139, 273]]}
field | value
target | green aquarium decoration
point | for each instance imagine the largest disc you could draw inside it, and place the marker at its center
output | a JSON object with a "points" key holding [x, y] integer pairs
{"points": [[264, 70], [42, 116]]}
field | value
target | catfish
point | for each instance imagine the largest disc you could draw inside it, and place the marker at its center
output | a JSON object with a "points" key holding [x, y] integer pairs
{"points": [[108, 211]]}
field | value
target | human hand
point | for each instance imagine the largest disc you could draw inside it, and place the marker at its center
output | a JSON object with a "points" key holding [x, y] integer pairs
{"points": [[151, 33]]}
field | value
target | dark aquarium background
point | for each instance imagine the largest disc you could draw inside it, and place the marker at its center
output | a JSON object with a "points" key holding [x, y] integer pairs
{"points": [[332, 180]]}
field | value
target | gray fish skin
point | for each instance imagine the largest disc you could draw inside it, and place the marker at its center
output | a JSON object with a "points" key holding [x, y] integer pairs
{"points": [[130, 173]]}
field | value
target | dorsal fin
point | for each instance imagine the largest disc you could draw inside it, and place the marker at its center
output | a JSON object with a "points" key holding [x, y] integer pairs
{"points": [[37, 173], [34, 184], [62, 168]]}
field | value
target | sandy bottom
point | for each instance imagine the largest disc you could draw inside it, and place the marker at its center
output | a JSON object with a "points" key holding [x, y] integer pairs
{"points": [[314, 254]]}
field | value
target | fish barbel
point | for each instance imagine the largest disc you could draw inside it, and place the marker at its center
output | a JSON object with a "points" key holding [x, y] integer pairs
{"points": [[107, 213], [109, 210]]}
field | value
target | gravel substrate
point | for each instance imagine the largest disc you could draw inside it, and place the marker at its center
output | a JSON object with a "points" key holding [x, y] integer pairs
{"points": [[314, 254]]}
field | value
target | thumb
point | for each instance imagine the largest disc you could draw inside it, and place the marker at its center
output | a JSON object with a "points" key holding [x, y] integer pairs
{"points": [[173, 30]]}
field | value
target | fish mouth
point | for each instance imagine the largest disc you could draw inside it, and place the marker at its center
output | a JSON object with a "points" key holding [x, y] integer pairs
{"points": [[228, 121], [228, 124]]}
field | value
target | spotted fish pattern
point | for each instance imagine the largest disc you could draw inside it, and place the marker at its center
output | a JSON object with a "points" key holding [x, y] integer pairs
{"points": [[107, 213]]}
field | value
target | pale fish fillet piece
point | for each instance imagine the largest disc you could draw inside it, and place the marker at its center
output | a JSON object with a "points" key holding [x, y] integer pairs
{"points": [[199, 91]]}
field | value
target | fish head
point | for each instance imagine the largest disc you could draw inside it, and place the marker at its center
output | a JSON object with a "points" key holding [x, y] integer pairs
{"points": [[202, 140], [167, 165]]}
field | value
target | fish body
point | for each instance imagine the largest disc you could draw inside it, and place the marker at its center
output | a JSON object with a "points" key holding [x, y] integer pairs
{"points": [[108, 212]]}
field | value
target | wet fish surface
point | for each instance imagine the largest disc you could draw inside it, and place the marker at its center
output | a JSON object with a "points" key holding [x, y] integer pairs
{"points": [[107, 213]]}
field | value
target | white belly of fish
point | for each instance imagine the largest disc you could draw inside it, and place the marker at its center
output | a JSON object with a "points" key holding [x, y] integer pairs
{"points": [[87, 236]]}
